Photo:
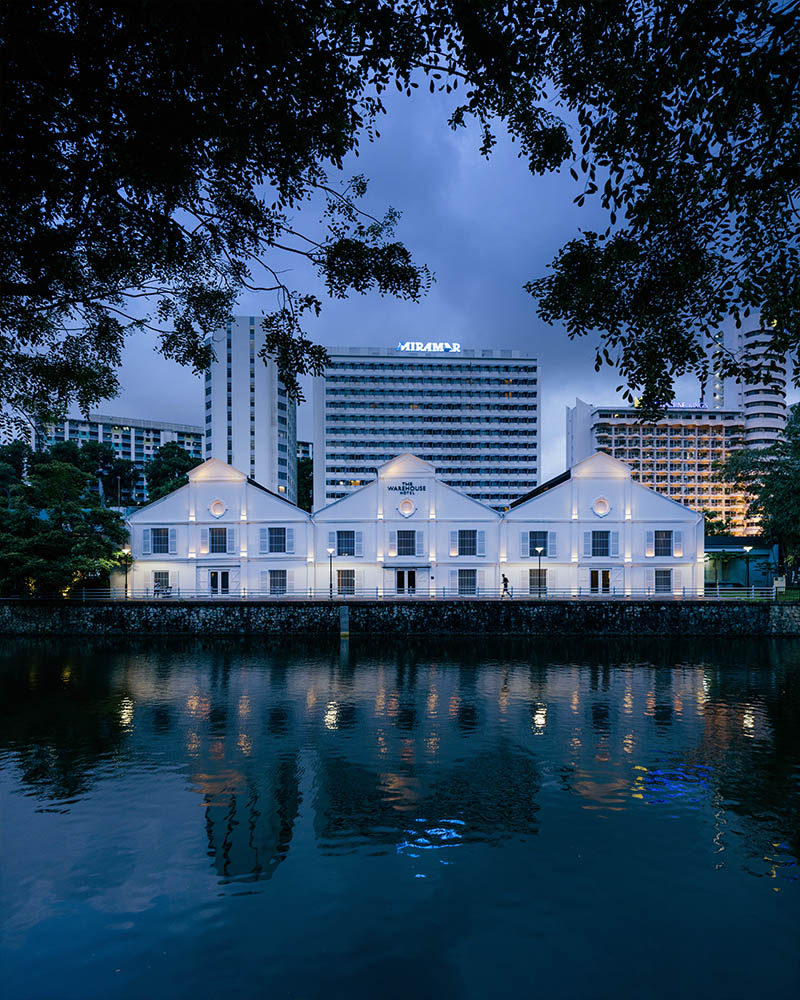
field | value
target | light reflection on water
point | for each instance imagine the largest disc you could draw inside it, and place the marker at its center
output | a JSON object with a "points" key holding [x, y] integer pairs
{"points": [[391, 818]]}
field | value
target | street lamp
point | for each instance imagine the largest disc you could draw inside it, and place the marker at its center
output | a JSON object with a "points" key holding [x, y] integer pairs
{"points": [[330, 575], [747, 550], [127, 552], [539, 549]]}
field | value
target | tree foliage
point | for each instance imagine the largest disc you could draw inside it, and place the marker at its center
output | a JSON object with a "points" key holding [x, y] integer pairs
{"points": [[772, 478], [55, 535], [160, 152], [166, 470]]}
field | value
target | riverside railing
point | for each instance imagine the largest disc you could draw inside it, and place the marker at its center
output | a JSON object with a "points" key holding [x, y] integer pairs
{"points": [[181, 594]]}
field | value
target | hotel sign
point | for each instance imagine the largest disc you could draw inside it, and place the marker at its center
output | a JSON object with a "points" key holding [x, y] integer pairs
{"points": [[407, 487], [431, 347]]}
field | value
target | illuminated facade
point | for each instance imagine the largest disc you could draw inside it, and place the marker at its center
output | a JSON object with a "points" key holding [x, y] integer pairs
{"points": [[473, 414]]}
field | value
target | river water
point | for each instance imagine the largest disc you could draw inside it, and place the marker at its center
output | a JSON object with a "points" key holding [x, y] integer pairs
{"points": [[400, 819]]}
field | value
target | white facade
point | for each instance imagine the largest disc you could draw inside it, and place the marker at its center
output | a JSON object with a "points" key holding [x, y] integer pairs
{"points": [[473, 414], [251, 423], [218, 535], [410, 534], [601, 533]]}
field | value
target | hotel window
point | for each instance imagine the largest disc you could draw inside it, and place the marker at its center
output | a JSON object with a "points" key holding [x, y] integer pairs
{"points": [[536, 540], [467, 546], [277, 540], [537, 581], [406, 543], [161, 580], [346, 545], [218, 539], [600, 543], [467, 581], [663, 581], [663, 543], [277, 581], [346, 581], [160, 540]]}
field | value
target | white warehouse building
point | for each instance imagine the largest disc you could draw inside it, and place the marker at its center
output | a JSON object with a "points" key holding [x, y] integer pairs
{"points": [[591, 531]]}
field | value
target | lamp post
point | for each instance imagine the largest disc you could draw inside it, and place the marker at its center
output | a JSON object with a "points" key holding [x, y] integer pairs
{"points": [[747, 550], [127, 551], [539, 549], [330, 575]]}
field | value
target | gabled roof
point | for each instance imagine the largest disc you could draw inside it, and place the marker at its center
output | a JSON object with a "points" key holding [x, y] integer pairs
{"points": [[215, 470], [537, 491], [410, 464]]}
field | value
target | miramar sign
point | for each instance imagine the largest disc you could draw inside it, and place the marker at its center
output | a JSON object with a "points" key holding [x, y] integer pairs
{"points": [[407, 487], [432, 347]]}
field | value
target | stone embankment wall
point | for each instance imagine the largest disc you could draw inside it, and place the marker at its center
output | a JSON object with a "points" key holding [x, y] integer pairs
{"points": [[506, 618]]}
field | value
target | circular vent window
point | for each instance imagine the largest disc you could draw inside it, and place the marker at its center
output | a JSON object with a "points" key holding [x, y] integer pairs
{"points": [[406, 507], [217, 508], [601, 506]]}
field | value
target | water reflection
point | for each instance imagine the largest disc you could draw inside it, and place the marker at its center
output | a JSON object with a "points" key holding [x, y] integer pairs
{"points": [[264, 755]]}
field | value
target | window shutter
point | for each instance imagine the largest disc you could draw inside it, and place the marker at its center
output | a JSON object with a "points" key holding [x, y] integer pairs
{"points": [[392, 544], [290, 540], [551, 580], [420, 549], [453, 586], [614, 549], [173, 541], [359, 580], [482, 580], [332, 541], [264, 578], [453, 543], [481, 544], [204, 541], [650, 578], [587, 543], [359, 543], [289, 581], [649, 544], [677, 544], [552, 547], [230, 540], [263, 538], [147, 542], [524, 545], [676, 579], [174, 579], [524, 581]]}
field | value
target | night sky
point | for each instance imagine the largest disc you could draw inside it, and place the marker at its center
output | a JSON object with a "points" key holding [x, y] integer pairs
{"points": [[483, 227]]}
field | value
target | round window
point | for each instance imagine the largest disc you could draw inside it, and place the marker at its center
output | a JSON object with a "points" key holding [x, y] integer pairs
{"points": [[217, 508], [406, 507], [601, 506]]}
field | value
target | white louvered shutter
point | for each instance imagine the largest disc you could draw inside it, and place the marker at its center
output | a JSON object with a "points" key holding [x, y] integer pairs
{"points": [[204, 541], [172, 545], [677, 544], [614, 549], [359, 543], [649, 544], [230, 540], [392, 544], [174, 579], [587, 543], [453, 585], [289, 581], [676, 579], [481, 544], [290, 541], [650, 579], [420, 544], [524, 581], [453, 543], [147, 541], [524, 545], [551, 580], [264, 581], [359, 581], [552, 545], [263, 539], [482, 581]]}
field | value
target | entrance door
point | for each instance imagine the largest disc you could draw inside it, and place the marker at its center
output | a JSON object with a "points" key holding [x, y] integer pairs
{"points": [[412, 581], [600, 581], [219, 581], [400, 581]]}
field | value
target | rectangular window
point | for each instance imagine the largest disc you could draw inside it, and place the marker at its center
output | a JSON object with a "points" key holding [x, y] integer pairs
{"points": [[161, 580], [277, 540], [277, 581], [538, 539], [467, 546], [467, 580], [663, 581], [600, 545], [217, 539], [346, 581], [346, 545], [406, 543], [663, 543], [537, 581], [160, 540]]}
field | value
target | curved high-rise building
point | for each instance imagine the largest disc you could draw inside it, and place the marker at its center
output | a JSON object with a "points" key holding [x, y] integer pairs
{"points": [[763, 403]]}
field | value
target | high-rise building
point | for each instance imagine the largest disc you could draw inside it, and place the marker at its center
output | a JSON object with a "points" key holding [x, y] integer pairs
{"points": [[305, 449], [251, 422], [763, 403], [132, 439], [474, 414]]}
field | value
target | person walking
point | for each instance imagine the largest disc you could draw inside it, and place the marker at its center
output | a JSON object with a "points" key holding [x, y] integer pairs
{"points": [[505, 591]]}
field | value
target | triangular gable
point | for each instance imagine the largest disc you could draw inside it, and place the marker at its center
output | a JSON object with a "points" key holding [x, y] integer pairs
{"points": [[405, 465], [213, 470], [600, 465], [458, 499]]}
